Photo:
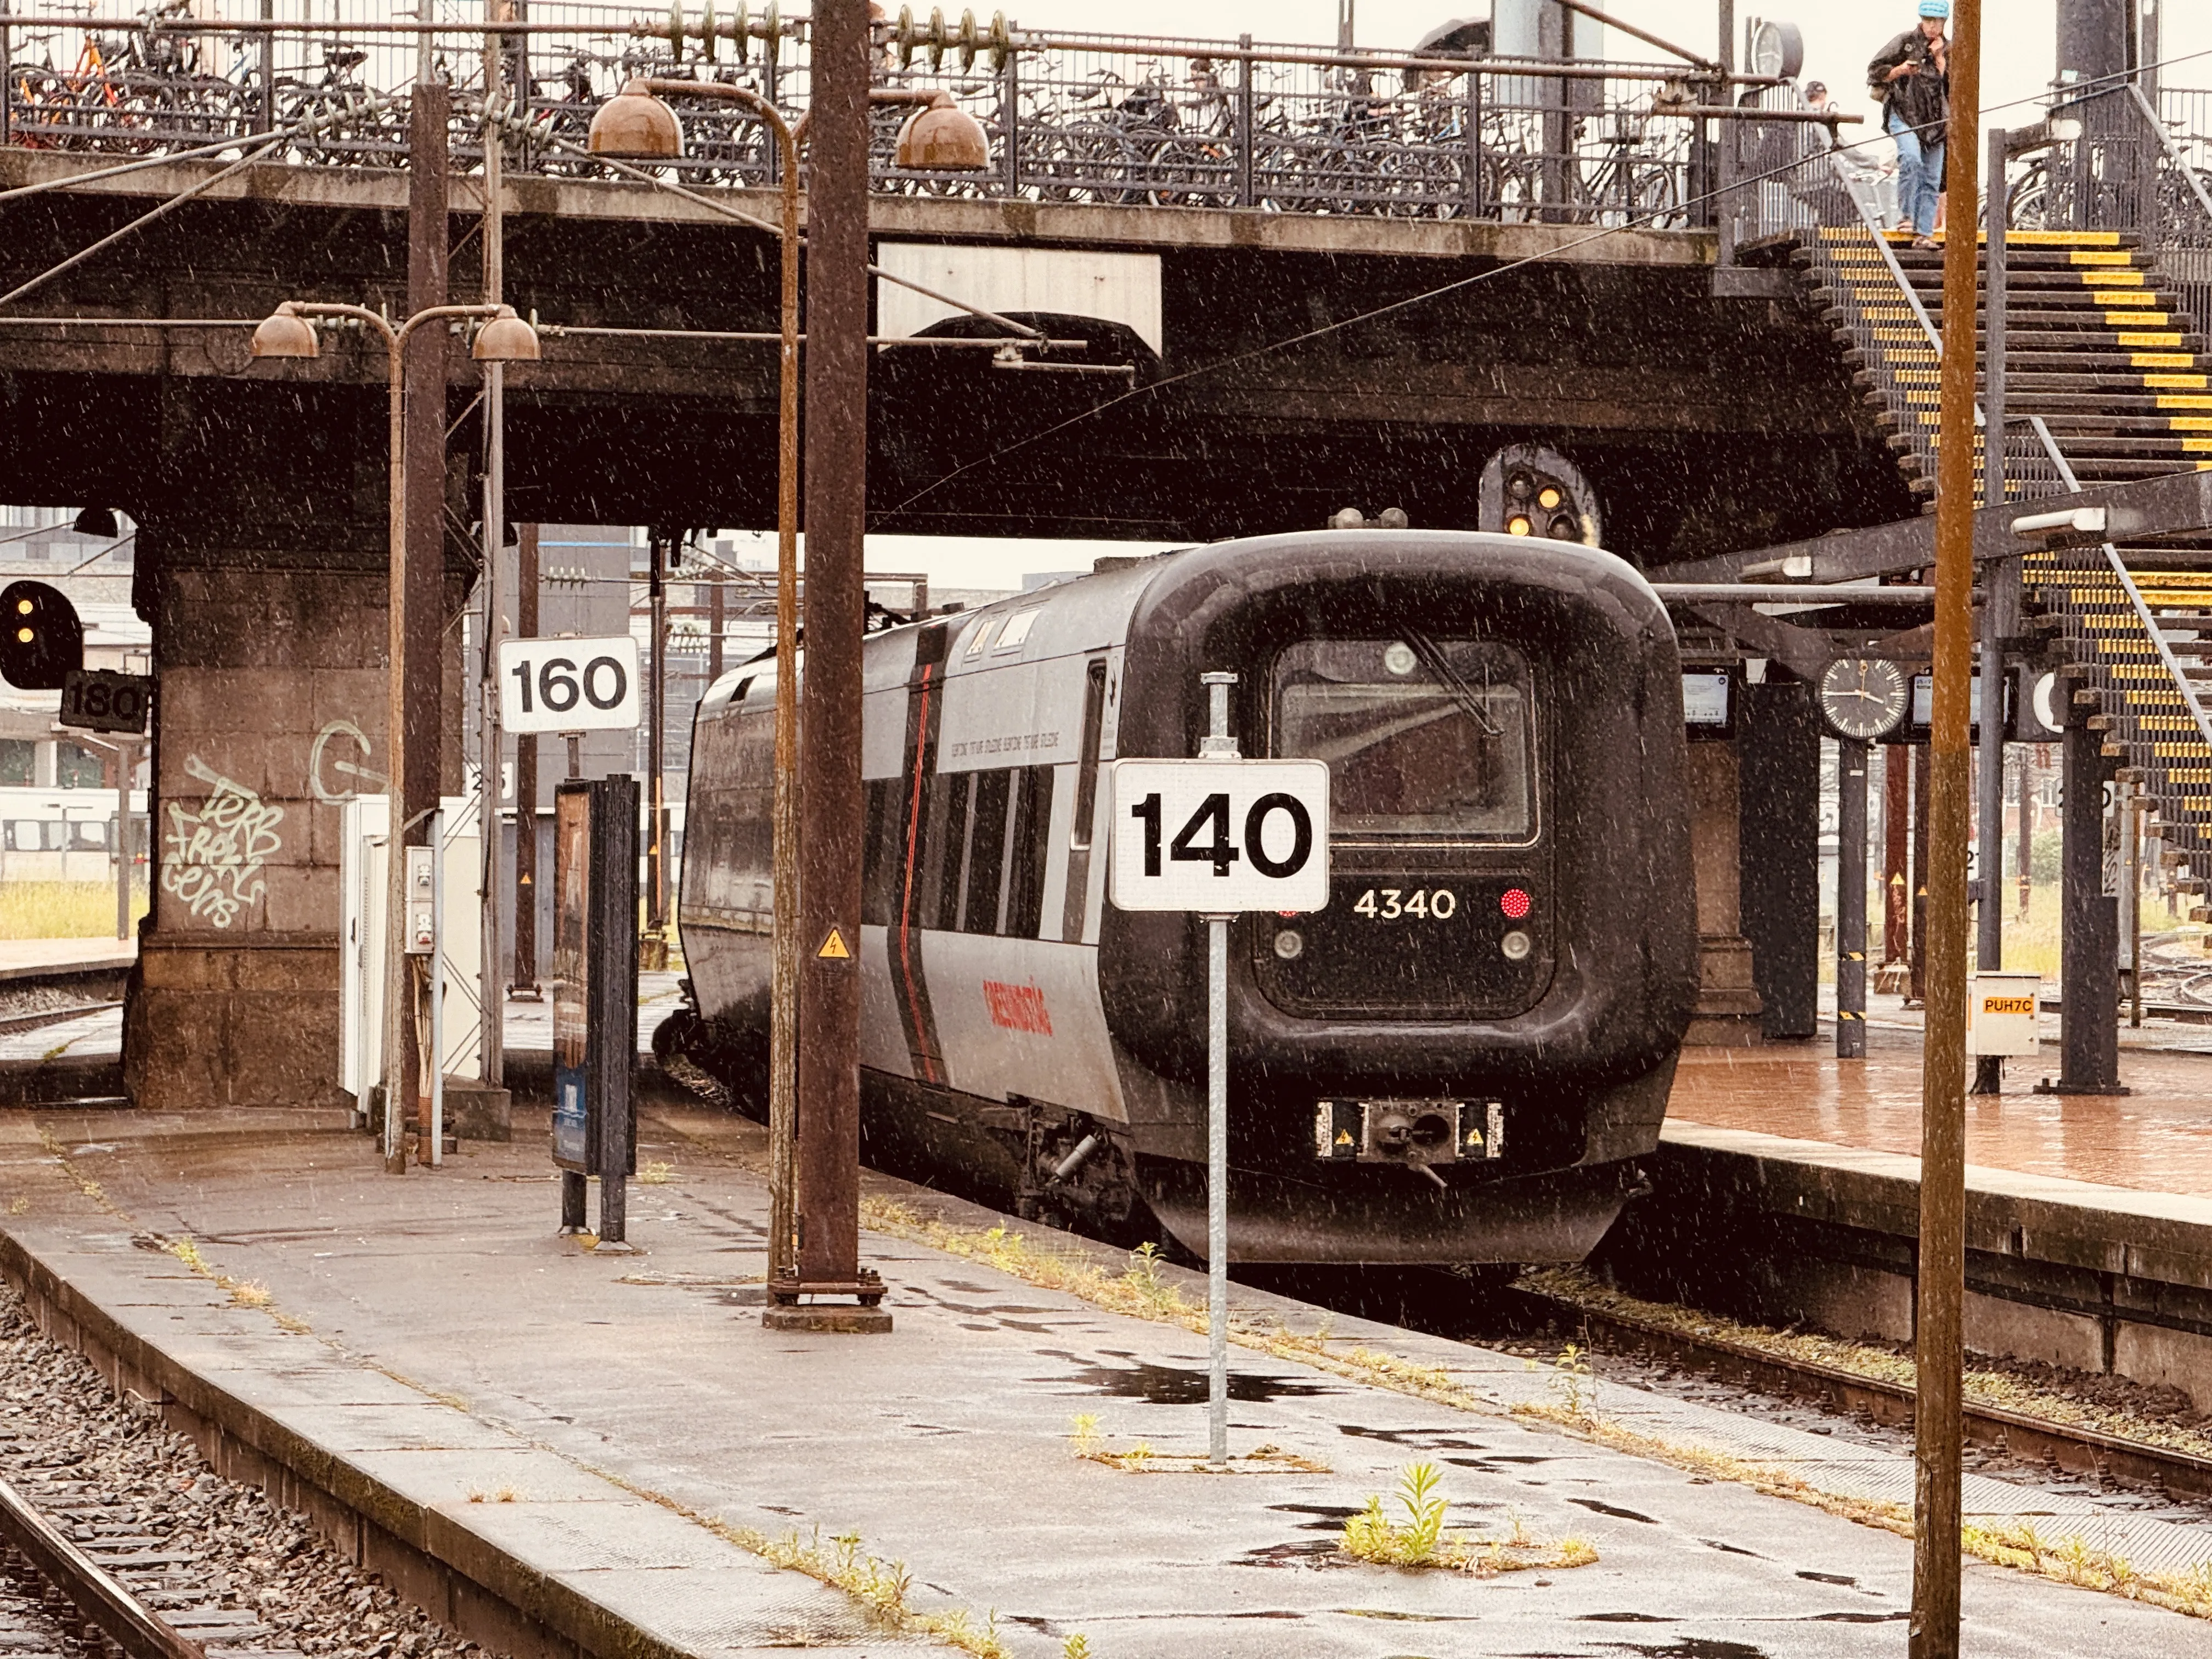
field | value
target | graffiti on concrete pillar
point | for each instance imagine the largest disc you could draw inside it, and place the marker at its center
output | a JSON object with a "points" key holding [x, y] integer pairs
{"points": [[214, 857], [323, 767]]}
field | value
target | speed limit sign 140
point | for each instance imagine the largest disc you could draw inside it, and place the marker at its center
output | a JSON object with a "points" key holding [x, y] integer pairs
{"points": [[568, 685], [1219, 835]]}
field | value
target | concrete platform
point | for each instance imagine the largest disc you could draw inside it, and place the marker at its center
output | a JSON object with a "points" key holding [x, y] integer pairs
{"points": [[40, 958], [562, 1450], [1787, 1191]]}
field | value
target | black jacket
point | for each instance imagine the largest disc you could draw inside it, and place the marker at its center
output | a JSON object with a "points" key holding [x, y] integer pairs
{"points": [[1923, 99]]}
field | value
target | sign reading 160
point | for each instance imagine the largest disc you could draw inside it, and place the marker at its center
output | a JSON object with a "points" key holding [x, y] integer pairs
{"points": [[568, 685], [603, 684]]}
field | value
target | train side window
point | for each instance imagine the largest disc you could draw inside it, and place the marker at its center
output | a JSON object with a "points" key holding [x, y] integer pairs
{"points": [[1086, 770], [1031, 842], [879, 856], [948, 844], [987, 852]]}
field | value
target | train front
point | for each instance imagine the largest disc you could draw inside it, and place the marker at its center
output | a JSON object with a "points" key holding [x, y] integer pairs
{"points": [[1462, 1057]]}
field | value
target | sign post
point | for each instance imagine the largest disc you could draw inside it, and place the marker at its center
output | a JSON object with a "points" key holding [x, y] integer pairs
{"points": [[1218, 835], [595, 998]]}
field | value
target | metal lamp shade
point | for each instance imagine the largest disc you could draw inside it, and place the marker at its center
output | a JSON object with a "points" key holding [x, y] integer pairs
{"points": [[944, 138], [636, 125], [506, 339], [285, 333]]}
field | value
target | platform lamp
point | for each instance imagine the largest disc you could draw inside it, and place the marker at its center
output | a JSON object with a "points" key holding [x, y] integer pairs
{"points": [[636, 125], [287, 332]]}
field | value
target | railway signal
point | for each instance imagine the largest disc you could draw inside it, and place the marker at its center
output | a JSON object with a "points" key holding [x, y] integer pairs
{"points": [[41, 640], [1218, 834]]}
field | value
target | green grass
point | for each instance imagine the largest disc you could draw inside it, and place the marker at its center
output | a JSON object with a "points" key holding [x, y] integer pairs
{"points": [[63, 909], [2030, 942]]}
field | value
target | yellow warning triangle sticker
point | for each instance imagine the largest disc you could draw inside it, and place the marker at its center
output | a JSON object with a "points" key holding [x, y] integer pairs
{"points": [[1344, 1137], [833, 948]]}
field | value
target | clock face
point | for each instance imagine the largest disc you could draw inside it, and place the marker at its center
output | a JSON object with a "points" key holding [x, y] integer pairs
{"points": [[1864, 697]]}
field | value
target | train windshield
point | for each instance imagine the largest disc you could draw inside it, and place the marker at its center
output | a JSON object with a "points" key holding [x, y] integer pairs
{"points": [[1425, 739]]}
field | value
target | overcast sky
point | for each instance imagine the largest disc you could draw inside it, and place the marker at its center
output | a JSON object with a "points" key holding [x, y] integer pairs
{"points": [[1840, 35]]}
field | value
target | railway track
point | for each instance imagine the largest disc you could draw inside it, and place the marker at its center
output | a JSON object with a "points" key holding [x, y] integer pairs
{"points": [[2067, 1447], [98, 1582]]}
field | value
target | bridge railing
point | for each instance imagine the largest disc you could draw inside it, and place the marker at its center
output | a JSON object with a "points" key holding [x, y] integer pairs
{"points": [[1175, 122], [2138, 167]]}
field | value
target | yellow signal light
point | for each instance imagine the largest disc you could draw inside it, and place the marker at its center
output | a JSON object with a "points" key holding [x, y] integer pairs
{"points": [[1550, 498], [22, 607], [1518, 525], [25, 635]]}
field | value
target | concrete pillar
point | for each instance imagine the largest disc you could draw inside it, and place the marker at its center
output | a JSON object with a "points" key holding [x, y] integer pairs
{"points": [[272, 670], [2088, 921], [1778, 745], [1728, 1004]]}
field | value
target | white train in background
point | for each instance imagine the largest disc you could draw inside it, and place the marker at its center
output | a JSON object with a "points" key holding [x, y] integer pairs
{"points": [[66, 835]]}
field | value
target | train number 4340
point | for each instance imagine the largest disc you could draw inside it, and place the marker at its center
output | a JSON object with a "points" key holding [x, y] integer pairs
{"points": [[1390, 903]]}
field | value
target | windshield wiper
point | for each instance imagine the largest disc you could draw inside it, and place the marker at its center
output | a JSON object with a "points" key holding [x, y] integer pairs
{"points": [[1432, 659]]}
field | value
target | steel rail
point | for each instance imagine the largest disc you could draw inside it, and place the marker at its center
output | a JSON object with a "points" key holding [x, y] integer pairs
{"points": [[2037, 1438], [2151, 626], [31, 1022], [2174, 155], [1018, 39], [136, 1629]]}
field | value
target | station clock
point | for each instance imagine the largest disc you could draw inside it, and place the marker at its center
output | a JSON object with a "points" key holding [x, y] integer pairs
{"points": [[1864, 697]]}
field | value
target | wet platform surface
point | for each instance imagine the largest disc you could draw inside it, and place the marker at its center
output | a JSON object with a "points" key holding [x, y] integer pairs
{"points": [[2158, 1138], [433, 1333]]}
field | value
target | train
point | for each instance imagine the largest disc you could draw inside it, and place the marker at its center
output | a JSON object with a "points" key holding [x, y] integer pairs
{"points": [[1459, 1060]]}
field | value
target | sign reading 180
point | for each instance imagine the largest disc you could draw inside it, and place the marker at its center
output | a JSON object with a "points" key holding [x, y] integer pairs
{"points": [[1220, 836], [568, 685]]}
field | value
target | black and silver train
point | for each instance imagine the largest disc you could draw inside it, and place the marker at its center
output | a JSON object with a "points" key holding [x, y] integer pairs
{"points": [[1458, 1060]]}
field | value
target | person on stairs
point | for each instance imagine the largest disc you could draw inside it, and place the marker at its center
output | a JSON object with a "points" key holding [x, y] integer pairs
{"points": [[1910, 76]]}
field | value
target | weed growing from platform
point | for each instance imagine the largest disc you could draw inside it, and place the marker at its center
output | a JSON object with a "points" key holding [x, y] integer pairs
{"points": [[1075, 1647], [84, 1182], [1422, 1540], [655, 1173], [1574, 1383]]}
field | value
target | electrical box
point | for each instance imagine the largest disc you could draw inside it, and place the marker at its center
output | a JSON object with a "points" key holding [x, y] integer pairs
{"points": [[361, 847], [2001, 1014], [421, 902]]}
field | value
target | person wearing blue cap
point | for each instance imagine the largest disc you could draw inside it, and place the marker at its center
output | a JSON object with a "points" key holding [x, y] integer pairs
{"points": [[1910, 76]]}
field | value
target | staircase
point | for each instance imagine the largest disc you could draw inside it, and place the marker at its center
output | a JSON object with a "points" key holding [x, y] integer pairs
{"points": [[2107, 380]]}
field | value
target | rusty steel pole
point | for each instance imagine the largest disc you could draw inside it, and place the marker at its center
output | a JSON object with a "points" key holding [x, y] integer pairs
{"points": [[418, 624], [785, 895], [525, 779], [491, 1003], [1934, 1632], [828, 1193]]}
